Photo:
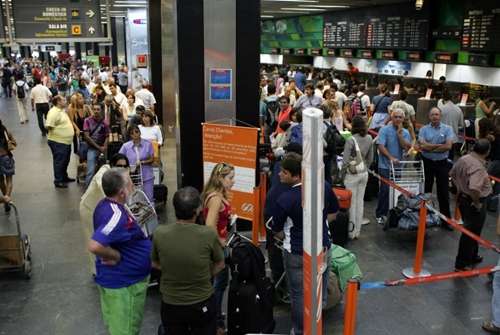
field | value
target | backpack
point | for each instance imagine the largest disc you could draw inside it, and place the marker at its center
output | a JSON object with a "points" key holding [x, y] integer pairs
{"points": [[296, 134], [272, 111], [247, 262], [356, 106], [345, 265], [21, 94], [334, 140]]}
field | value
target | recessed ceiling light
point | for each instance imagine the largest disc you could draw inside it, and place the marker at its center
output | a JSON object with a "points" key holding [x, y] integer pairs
{"points": [[303, 9]]}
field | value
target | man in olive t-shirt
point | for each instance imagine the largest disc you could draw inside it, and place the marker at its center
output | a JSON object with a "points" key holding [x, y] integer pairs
{"points": [[189, 255]]}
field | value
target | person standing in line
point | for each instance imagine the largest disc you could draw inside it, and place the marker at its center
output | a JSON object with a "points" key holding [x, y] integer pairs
{"points": [[7, 80], [308, 99], [358, 156], [147, 98], [123, 79], [21, 89], [217, 215], [393, 140], [473, 184], [40, 97], [141, 156], [95, 135], [410, 121], [123, 252], [435, 140], [288, 223], [188, 300], [380, 108], [300, 79], [452, 116], [60, 135]]}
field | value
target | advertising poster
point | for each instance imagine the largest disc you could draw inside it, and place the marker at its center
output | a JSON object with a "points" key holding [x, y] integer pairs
{"points": [[236, 146], [393, 67], [220, 84]]}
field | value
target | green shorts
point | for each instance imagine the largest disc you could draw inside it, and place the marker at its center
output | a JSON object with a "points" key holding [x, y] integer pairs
{"points": [[123, 308]]}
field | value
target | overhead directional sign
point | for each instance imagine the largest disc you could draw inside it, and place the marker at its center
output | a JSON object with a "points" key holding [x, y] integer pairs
{"points": [[56, 20]]}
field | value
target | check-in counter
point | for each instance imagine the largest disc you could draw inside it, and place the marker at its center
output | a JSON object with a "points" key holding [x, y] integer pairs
{"points": [[469, 110]]}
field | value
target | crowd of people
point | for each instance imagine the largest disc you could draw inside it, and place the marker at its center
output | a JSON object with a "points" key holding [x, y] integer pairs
{"points": [[113, 130]]}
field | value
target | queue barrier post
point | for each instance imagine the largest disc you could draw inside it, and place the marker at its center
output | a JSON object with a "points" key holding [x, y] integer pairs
{"points": [[351, 307], [256, 216], [417, 270], [263, 193]]}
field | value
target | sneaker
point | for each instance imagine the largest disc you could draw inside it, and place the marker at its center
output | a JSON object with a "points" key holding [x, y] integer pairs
{"points": [[381, 220], [490, 327], [365, 221], [462, 268]]}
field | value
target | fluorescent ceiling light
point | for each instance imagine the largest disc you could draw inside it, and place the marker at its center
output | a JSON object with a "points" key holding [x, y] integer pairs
{"points": [[302, 1], [267, 16], [303, 9], [132, 2], [281, 12], [325, 6], [130, 6]]}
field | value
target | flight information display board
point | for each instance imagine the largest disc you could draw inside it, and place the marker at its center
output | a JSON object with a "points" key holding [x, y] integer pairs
{"points": [[481, 28], [52, 19], [386, 27]]}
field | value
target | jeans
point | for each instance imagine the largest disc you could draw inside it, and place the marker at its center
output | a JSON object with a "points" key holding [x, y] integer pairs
{"points": [[438, 170], [328, 160], [495, 300], [61, 154], [295, 275], [357, 184], [383, 195], [195, 319], [221, 281], [473, 220], [41, 113], [92, 156]]}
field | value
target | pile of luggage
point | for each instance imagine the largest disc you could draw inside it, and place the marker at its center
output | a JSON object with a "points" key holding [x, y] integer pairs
{"points": [[405, 215]]}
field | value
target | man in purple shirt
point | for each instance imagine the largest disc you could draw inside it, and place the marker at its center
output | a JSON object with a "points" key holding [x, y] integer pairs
{"points": [[122, 254], [95, 134]]}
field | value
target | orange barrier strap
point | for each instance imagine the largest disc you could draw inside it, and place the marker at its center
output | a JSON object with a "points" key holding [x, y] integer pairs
{"points": [[393, 184], [485, 243], [263, 192]]}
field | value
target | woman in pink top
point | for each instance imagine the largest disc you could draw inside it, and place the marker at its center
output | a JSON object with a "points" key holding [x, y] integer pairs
{"points": [[217, 214]]}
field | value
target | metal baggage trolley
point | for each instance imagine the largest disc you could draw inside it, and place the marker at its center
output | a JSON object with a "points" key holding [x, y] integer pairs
{"points": [[143, 211], [136, 176], [409, 175], [15, 250]]}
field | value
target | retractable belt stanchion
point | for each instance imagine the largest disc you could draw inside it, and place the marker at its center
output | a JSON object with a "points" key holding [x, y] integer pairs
{"points": [[263, 193], [417, 270], [256, 216], [351, 307]]}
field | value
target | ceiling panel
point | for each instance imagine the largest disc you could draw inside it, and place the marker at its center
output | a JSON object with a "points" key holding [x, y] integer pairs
{"points": [[283, 8]]}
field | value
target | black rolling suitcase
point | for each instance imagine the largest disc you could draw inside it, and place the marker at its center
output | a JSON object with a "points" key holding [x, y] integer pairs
{"points": [[251, 293], [250, 307], [339, 228]]}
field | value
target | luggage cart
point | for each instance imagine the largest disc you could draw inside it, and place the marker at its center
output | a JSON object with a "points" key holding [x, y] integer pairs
{"points": [[136, 176], [409, 175], [143, 211], [15, 250]]}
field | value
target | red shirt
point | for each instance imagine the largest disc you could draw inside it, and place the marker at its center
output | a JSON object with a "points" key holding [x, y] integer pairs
{"points": [[283, 116]]}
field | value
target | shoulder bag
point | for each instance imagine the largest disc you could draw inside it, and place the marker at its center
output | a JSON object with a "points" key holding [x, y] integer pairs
{"points": [[11, 143], [356, 165]]}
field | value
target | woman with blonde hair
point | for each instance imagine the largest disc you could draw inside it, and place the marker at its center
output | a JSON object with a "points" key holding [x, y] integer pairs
{"points": [[338, 117], [78, 112], [217, 215]]}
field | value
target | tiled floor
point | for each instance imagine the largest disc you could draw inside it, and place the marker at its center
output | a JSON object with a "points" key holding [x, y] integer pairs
{"points": [[61, 298]]}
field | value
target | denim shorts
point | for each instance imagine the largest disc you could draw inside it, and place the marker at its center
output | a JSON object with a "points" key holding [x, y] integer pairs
{"points": [[7, 165]]}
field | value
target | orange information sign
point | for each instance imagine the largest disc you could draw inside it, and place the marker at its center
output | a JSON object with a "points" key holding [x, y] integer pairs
{"points": [[236, 146]]}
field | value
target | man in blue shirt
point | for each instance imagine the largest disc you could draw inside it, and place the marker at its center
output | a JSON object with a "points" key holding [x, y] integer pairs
{"points": [[309, 99], [300, 79], [122, 256], [393, 140], [435, 141], [287, 218]]}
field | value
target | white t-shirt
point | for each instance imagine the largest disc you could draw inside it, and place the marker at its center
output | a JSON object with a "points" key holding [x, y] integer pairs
{"points": [[151, 133], [40, 94], [148, 99], [120, 98]]}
